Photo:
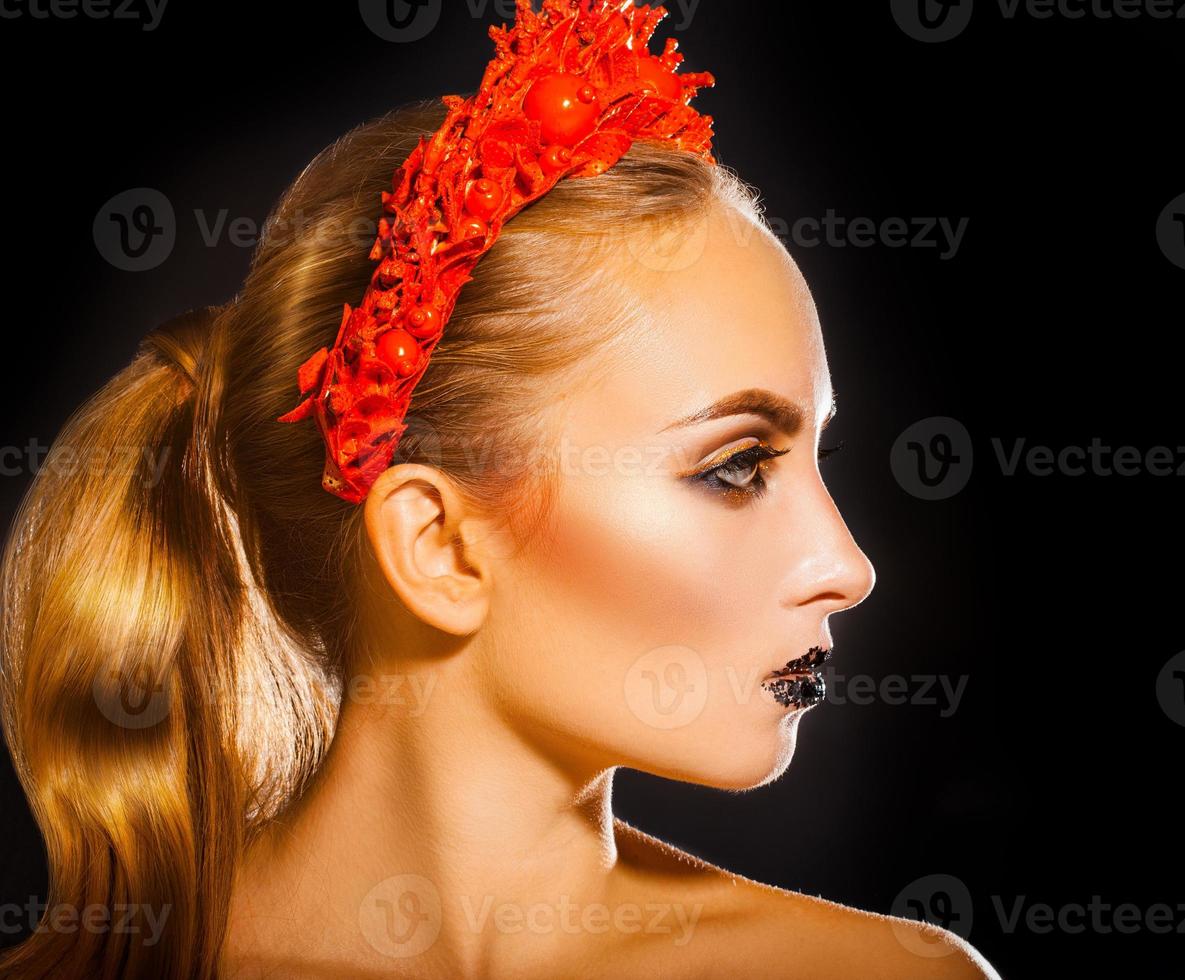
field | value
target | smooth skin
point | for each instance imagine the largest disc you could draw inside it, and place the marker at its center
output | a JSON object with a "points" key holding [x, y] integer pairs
{"points": [[461, 825]]}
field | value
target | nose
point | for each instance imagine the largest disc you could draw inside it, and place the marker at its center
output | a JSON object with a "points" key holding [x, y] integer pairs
{"points": [[831, 568]]}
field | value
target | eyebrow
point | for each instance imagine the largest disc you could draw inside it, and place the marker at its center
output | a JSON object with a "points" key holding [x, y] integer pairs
{"points": [[778, 411]]}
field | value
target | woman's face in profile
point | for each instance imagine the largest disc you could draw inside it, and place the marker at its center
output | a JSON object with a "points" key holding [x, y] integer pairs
{"points": [[681, 569]]}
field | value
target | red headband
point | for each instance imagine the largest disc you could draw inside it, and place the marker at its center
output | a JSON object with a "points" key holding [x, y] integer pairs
{"points": [[566, 94]]}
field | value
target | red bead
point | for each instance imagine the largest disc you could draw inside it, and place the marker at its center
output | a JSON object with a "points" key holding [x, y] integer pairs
{"points": [[474, 228], [423, 321], [659, 79], [554, 100], [587, 94], [555, 159], [484, 198], [400, 351]]}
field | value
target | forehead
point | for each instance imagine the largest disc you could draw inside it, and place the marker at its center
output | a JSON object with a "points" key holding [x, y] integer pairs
{"points": [[725, 308]]}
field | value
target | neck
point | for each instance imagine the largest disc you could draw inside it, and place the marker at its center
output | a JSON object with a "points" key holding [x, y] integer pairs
{"points": [[442, 787]]}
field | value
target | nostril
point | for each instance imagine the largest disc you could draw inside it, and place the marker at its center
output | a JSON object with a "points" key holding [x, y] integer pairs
{"points": [[832, 596]]}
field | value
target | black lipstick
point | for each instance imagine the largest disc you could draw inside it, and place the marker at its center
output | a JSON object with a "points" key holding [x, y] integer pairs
{"points": [[799, 683]]}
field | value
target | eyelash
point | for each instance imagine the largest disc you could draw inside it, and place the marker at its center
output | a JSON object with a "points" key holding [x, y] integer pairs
{"points": [[745, 460]]}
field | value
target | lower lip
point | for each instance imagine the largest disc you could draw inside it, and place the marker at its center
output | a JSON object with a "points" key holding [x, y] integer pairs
{"points": [[799, 690]]}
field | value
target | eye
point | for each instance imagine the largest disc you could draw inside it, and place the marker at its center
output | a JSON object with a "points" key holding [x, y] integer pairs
{"points": [[740, 474]]}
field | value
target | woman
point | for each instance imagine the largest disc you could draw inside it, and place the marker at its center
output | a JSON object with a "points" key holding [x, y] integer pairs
{"points": [[291, 736]]}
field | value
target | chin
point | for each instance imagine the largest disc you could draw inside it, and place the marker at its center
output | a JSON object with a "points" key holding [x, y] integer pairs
{"points": [[762, 759]]}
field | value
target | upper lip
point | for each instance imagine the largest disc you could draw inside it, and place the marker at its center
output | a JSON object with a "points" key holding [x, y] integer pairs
{"points": [[814, 658]]}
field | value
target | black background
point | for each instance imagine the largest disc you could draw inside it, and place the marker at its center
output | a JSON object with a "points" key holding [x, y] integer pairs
{"points": [[1056, 321]]}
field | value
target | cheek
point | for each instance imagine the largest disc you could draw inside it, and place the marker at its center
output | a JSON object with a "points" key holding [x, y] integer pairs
{"points": [[635, 566], [648, 562]]}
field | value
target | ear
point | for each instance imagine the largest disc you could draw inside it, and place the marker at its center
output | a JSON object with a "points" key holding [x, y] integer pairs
{"points": [[428, 547]]}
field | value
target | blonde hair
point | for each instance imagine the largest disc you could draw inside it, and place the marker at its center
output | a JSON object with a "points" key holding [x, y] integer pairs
{"points": [[178, 614]]}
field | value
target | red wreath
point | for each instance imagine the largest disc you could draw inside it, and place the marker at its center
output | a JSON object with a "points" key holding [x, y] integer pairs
{"points": [[568, 91]]}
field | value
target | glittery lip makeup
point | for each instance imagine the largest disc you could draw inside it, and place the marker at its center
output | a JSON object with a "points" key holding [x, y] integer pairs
{"points": [[799, 684]]}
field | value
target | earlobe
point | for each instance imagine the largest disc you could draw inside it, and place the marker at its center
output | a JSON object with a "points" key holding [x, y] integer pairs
{"points": [[417, 526]]}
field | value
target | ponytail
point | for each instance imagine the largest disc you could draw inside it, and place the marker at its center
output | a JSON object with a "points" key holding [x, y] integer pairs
{"points": [[123, 604]]}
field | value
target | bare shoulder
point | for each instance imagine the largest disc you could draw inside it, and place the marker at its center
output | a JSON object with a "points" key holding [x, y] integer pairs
{"points": [[751, 928]]}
